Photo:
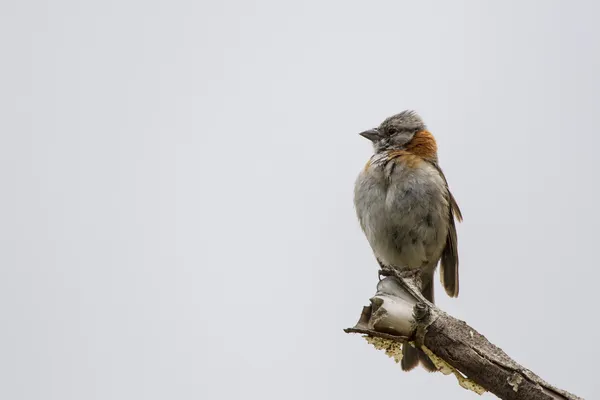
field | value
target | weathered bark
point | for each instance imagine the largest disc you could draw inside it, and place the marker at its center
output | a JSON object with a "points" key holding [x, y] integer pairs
{"points": [[400, 314]]}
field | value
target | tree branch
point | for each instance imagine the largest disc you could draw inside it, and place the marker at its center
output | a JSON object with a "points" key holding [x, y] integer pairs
{"points": [[399, 315]]}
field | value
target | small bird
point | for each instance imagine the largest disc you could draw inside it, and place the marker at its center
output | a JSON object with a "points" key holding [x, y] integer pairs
{"points": [[406, 210]]}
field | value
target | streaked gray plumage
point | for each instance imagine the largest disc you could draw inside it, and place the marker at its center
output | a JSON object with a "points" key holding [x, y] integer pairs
{"points": [[406, 210]]}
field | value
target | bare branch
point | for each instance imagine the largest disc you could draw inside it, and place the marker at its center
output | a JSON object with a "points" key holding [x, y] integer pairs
{"points": [[400, 314]]}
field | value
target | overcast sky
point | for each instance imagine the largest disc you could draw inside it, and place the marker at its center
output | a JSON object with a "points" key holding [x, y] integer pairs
{"points": [[177, 180]]}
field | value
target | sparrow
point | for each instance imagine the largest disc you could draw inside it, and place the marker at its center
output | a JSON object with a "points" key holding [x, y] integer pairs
{"points": [[406, 210]]}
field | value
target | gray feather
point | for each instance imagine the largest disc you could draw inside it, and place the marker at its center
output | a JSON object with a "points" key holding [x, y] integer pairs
{"points": [[449, 260]]}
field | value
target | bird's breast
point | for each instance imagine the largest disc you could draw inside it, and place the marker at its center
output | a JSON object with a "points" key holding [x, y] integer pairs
{"points": [[401, 203]]}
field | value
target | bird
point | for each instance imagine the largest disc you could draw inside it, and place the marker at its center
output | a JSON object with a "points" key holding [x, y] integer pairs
{"points": [[406, 210]]}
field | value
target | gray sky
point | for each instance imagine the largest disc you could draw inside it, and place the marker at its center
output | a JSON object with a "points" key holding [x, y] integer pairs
{"points": [[177, 179]]}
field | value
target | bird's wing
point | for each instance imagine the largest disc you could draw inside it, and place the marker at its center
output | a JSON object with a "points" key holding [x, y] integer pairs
{"points": [[449, 260]]}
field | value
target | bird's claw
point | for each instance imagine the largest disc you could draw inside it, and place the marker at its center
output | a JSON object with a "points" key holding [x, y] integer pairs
{"points": [[404, 274], [385, 272], [408, 274]]}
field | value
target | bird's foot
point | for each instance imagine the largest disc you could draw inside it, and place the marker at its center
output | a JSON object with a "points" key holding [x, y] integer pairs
{"points": [[401, 274], [409, 273], [385, 272]]}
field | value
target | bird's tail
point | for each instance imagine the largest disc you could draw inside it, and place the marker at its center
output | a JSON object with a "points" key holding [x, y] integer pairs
{"points": [[412, 356]]}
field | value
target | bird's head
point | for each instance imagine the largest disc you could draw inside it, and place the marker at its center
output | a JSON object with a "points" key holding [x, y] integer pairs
{"points": [[395, 132]]}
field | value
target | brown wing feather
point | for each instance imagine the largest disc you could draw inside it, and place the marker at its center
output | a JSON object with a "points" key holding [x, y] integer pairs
{"points": [[449, 260], [454, 204]]}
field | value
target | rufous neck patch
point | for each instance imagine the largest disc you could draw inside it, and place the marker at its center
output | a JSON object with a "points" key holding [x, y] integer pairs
{"points": [[405, 157], [423, 144]]}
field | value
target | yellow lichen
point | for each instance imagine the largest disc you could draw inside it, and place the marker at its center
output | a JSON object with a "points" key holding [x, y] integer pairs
{"points": [[392, 349], [448, 369]]}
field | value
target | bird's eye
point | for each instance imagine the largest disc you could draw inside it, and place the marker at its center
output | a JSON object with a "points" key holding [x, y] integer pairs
{"points": [[392, 130]]}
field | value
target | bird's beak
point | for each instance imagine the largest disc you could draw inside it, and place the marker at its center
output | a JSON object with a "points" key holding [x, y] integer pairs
{"points": [[371, 134]]}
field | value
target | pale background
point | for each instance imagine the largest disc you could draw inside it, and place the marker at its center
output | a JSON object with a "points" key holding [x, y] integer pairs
{"points": [[177, 178]]}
